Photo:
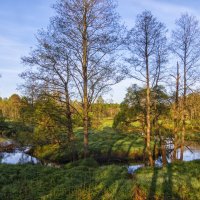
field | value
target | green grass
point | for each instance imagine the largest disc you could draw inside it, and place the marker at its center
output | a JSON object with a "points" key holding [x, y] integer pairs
{"points": [[106, 122], [80, 180], [176, 181], [106, 144], [86, 180]]}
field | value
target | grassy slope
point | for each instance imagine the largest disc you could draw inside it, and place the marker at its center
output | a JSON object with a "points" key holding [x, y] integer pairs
{"points": [[103, 145], [81, 181], [85, 180]]}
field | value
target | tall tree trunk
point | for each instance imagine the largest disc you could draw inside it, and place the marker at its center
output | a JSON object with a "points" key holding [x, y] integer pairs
{"points": [[85, 82], [69, 123], [163, 152], [69, 119], [155, 123], [148, 110], [176, 106], [163, 149], [184, 111]]}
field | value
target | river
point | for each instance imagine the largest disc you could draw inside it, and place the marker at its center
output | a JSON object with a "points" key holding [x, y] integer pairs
{"points": [[20, 156]]}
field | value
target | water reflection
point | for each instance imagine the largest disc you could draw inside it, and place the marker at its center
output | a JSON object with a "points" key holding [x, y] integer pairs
{"points": [[133, 168], [17, 157], [191, 152]]}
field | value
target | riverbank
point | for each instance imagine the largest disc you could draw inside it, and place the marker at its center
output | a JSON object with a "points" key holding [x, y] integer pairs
{"points": [[86, 180], [6, 145], [105, 146]]}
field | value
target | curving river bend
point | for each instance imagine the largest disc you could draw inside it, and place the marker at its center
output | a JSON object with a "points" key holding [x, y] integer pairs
{"points": [[21, 156]]}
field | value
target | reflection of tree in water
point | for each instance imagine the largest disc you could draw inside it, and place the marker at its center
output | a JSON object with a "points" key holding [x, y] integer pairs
{"points": [[3, 156], [191, 152], [25, 158]]}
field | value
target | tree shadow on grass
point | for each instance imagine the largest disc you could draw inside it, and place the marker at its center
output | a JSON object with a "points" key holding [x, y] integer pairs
{"points": [[117, 152], [167, 183], [152, 189], [113, 144], [111, 178], [167, 186]]}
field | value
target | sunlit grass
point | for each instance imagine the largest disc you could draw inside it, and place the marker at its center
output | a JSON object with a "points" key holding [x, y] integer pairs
{"points": [[176, 181], [106, 144], [85, 180], [79, 180]]}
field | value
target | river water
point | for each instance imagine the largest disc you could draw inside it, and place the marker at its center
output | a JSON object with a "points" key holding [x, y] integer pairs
{"points": [[191, 152], [19, 156]]}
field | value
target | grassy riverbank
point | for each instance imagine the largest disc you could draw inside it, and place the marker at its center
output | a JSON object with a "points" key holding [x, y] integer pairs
{"points": [[106, 145], [85, 180]]}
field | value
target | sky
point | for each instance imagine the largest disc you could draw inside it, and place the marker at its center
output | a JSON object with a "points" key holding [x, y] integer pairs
{"points": [[21, 19]]}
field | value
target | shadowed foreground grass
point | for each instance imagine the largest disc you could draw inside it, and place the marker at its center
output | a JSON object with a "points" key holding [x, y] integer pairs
{"points": [[85, 180], [80, 180], [176, 181]]}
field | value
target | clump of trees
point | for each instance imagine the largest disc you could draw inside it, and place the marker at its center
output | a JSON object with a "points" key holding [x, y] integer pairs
{"points": [[186, 46], [151, 104]]}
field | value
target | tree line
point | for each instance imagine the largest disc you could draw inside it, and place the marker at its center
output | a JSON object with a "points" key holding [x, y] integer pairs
{"points": [[43, 121]]}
